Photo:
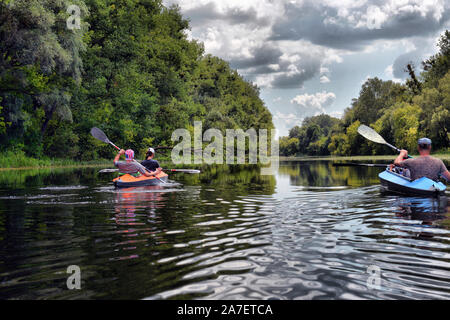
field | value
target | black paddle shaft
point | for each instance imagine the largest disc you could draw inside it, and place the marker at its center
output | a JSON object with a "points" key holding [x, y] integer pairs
{"points": [[351, 164]]}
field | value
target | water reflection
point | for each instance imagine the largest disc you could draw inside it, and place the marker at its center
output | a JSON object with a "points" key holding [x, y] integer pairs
{"points": [[423, 214], [416, 208], [310, 232], [324, 174], [128, 217]]}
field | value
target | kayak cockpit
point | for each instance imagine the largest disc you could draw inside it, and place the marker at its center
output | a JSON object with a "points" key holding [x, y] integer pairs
{"points": [[394, 182]]}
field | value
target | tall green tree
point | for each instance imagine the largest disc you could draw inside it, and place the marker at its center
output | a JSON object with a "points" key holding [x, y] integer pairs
{"points": [[375, 96], [144, 78], [437, 65], [401, 113], [40, 65]]}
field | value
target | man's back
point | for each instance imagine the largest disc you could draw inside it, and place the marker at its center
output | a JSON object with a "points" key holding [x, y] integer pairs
{"points": [[151, 165], [128, 167], [425, 166]]}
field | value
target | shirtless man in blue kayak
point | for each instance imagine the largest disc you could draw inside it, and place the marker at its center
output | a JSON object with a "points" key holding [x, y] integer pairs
{"points": [[424, 165], [130, 166]]}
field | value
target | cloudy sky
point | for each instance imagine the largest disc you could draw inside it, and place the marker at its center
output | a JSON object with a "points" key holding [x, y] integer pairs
{"points": [[311, 57]]}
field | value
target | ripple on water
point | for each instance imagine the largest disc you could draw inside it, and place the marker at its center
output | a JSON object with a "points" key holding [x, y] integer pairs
{"points": [[322, 248], [191, 242], [62, 188]]}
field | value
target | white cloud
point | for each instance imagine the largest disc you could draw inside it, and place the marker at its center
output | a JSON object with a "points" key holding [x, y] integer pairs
{"points": [[324, 79], [290, 118], [389, 72], [337, 114], [324, 70], [274, 67], [313, 104], [365, 79], [353, 25], [285, 121], [240, 31], [284, 44], [375, 17]]}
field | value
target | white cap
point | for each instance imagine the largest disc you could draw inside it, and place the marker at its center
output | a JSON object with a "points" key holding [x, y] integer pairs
{"points": [[151, 150], [424, 141]]}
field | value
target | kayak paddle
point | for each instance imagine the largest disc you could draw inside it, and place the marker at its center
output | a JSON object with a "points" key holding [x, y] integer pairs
{"points": [[100, 135], [373, 136], [192, 171], [352, 164], [108, 170], [170, 170]]}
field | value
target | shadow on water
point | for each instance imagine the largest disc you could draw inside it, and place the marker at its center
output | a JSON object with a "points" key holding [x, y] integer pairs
{"points": [[310, 232]]}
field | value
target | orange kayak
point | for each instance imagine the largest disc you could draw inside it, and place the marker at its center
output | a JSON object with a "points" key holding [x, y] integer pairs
{"points": [[129, 181]]}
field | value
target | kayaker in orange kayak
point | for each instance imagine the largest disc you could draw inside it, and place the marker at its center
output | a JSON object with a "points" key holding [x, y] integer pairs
{"points": [[130, 166], [150, 164], [425, 165]]}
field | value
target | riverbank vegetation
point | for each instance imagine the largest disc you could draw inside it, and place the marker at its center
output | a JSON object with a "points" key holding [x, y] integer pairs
{"points": [[401, 113], [130, 70], [371, 159], [237, 177], [18, 159]]}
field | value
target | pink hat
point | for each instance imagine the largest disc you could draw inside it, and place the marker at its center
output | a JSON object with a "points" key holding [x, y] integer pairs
{"points": [[129, 154]]}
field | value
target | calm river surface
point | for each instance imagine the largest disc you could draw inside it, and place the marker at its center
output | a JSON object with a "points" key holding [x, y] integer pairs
{"points": [[313, 231]]}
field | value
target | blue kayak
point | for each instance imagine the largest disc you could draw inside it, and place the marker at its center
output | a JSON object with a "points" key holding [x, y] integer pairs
{"points": [[395, 182]]}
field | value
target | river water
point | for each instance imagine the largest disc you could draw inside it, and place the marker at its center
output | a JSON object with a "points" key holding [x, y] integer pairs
{"points": [[312, 231]]}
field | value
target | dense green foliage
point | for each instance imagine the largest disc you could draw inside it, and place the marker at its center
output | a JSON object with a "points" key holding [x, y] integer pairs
{"points": [[40, 65], [18, 159], [130, 70], [401, 113]]}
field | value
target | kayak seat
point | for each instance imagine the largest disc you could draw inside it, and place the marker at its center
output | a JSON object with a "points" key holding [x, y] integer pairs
{"points": [[400, 175]]}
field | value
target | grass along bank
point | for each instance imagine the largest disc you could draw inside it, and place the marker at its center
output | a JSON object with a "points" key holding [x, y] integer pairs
{"points": [[18, 160]]}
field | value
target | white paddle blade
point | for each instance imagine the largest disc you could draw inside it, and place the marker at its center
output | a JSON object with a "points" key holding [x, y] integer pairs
{"points": [[108, 170], [370, 134], [185, 171], [99, 135]]}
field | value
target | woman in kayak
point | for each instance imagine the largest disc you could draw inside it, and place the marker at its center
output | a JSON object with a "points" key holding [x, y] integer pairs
{"points": [[130, 166], [425, 165], [150, 164]]}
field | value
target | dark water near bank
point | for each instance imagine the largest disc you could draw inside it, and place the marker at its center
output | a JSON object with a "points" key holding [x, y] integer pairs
{"points": [[313, 231]]}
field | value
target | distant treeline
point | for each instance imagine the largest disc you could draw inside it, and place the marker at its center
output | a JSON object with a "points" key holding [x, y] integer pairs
{"points": [[130, 70], [401, 113]]}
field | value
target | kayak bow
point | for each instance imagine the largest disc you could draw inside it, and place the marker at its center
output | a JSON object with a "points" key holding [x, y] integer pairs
{"points": [[397, 183]]}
